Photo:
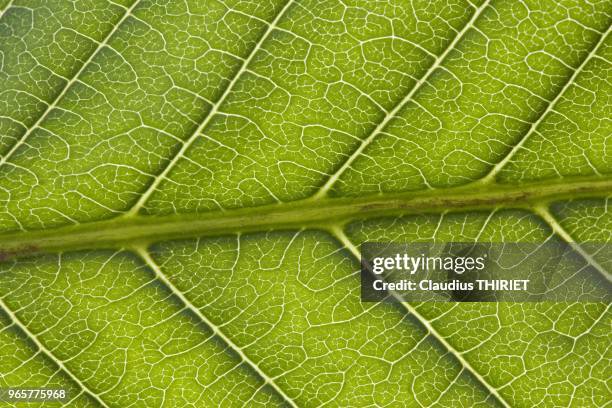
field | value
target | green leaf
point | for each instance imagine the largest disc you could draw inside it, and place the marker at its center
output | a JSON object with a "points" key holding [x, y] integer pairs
{"points": [[184, 187]]}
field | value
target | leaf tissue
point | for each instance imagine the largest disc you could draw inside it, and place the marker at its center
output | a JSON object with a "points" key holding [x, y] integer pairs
{"points": [[185, 187]]}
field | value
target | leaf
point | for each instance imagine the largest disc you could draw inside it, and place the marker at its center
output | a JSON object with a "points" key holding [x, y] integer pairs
{"points": [[185, 186]]}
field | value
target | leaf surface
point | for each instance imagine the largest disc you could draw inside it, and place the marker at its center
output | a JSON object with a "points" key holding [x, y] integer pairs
{"points": [[185, 187]]}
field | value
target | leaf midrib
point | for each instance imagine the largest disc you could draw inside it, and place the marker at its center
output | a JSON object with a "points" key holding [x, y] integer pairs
{"points": [[314, 213]]}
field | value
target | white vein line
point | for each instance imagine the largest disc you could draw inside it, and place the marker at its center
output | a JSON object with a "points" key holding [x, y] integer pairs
{"points": [[391, 114], [144, 253], [68, 85], [592, 326], [214, 110], [339, 234], [561, 232], [8, 6], [48, 353], [502, 163]]}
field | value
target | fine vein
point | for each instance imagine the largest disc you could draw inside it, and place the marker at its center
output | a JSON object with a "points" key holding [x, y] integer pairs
{"points": [[502, 163], [346, 242], [334, 177], [174, 160], [144, 254], [68, 85], [48, 353]]}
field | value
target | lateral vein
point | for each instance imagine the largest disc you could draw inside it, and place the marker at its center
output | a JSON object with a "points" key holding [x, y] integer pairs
{"points": [[341, 236], [391, 114], [558, 229], [48, 353], [211, 114], [144, 254], [8, 6], [502, 163], [68, 85]]}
